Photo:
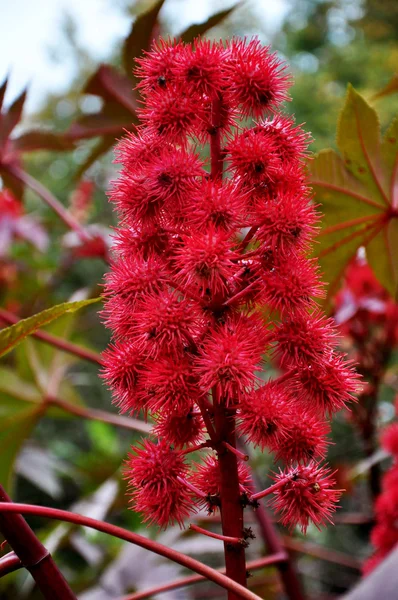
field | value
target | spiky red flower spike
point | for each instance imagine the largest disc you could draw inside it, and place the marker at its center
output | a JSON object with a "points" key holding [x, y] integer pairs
{"points": [[205, 250]]}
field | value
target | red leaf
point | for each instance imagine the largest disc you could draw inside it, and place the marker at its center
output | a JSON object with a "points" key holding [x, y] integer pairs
{"points": [[41, 140], [140, 37], [11, 118], [111, 85]]}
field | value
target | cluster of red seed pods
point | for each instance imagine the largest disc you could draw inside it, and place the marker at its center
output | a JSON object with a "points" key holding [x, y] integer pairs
{"points": [[210, 274]]}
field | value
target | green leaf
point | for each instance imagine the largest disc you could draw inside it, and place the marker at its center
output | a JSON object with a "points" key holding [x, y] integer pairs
{"points": [[389, 151], [198, 29], [140, 37], [11, 336], [14, 430], [349, 216], [358, 139], [356, 193], [16, 389]]}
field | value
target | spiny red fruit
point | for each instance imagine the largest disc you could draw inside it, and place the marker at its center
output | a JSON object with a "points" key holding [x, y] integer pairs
{"points": [[306, 494], [153, 472], [210, 273], [264, 415], [206, 477]]}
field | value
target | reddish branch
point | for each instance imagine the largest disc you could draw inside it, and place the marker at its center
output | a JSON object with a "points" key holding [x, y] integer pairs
{"points": [[55, 341], [123, 534], [100, 415], [9, 563], [51, 201], [260, 563], [32, 554], [216, 536], [327, 554]]}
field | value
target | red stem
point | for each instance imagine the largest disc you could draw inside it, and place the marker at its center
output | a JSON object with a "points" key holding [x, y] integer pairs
{"points": [[207, 420], [9, 563], [216, 536], [248, 237], [230, 497], [347, 224], [55, 341], [269, 490], [238, 453], [193, 488], [353, 235], [231, 506], [288, 575], [100, 415], [273, 559], [49, 199], [215, 141], [327, 554], [123, 534], [32, 554]]}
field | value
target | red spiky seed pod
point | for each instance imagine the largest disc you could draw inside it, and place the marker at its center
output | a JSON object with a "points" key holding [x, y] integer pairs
{"points": [[153, 472], [306, 494], [206, 477], [264, 415], [255, 78]]}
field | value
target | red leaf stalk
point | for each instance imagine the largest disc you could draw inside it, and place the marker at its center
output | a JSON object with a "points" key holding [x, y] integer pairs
{"points": [[9, 563], [33, 555], [13, 509]]}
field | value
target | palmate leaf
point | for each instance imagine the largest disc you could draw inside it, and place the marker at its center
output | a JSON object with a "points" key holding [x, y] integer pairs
{"points": [[142, 33], [11, 336], [199, 29], [358, 195]]}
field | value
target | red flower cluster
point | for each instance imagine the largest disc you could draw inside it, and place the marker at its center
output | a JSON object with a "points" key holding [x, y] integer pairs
{"points": [[384, 536], [210, 272]]}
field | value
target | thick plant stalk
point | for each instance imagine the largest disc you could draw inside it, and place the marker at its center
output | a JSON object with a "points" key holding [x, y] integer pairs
{"points": [[33, 555], [123, 534], [230, 497]]}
